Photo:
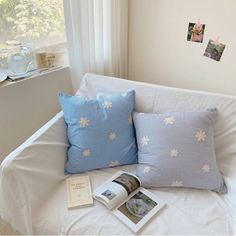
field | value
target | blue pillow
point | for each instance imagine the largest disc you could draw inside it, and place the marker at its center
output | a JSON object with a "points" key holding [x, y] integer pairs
{"points": [[176, 149], [100, 131]]}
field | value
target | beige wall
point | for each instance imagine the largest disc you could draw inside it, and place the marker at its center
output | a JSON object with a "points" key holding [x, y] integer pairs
{"points": [[159, 52], [26, 105]]}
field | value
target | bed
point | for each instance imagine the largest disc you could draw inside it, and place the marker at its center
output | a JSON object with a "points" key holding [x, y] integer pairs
{"points": [[32, 180]]}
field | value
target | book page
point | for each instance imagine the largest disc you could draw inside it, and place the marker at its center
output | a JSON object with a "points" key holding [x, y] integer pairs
{"points": [[117, 189], [138, 209], [111, 194], [128, 181]]}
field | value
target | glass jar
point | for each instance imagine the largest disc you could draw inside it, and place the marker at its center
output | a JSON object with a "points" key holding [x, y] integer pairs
{"points": [[19, 58], [41, 58]]}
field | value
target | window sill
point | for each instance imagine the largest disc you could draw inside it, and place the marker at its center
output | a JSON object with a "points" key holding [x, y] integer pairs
{"points": [[36, 76]]}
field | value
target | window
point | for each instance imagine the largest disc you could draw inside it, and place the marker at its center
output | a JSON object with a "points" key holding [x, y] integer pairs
{"points": [[39, 23]]}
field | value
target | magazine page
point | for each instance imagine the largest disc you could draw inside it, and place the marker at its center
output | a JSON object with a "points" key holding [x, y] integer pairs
{"points": [[138, 209], [117, 189]]}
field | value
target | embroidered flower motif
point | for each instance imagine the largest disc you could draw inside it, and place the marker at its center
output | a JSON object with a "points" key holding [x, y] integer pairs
{"points": [[174, 152], [112, 136], [146, 169], [206, 168], [144, 140], [107, 104], [201, 136], [114, 163], [177, 183], [84, 121], [130, 119], [169, 120], [124, 94], [86, 153]]}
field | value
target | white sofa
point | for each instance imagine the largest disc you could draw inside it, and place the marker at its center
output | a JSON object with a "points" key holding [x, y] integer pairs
{"points": [[32, 181]]}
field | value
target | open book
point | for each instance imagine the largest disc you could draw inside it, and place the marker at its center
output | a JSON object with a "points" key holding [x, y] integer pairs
{"points": [[132, 204]]}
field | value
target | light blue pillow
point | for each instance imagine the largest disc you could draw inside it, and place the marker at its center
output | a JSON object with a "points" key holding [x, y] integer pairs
{"points": [[176, 149], [100, 131]]}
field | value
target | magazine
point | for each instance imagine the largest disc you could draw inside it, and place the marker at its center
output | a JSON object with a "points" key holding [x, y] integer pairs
{"points": [[123, 195]]}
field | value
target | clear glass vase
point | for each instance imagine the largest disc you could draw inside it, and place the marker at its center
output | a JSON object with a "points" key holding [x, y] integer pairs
{"points": [[19, 59]]}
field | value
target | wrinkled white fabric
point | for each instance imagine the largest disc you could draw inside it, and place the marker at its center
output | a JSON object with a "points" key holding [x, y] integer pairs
{"points": [[187, 212], [32, 186]]}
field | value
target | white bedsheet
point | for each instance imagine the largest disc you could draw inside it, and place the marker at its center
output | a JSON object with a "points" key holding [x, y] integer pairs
{"points": [[32, 181], [187, 212]]}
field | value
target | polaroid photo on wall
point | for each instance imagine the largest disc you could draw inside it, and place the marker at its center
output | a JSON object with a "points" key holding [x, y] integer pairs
{"points": [[195, 32], [214, 50]]}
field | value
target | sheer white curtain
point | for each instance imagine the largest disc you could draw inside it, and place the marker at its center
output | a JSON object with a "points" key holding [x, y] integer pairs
{"points": [[97, 34]]}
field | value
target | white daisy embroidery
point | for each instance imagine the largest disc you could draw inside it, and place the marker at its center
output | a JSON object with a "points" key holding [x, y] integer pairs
{"points": [[112, 136], [169, 120], [114, 163], [124, 94], [130, 119], [86, 153], [206, 168], [177, 183], [174, 152], [144, 140], [201, 136], [84, 121], [107, 104], [146, 169]]}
